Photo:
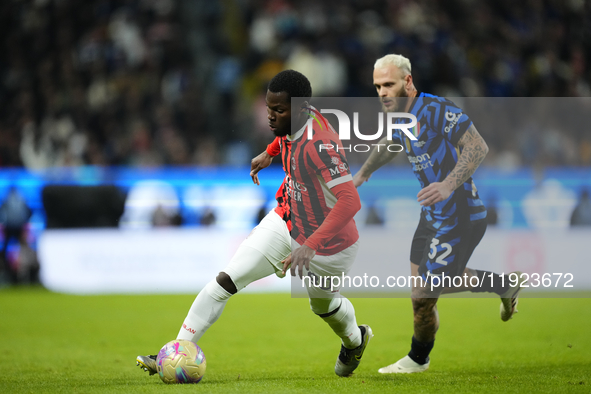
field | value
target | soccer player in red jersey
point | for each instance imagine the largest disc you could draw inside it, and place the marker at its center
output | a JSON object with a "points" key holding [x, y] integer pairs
{"points": [[311, 230]]}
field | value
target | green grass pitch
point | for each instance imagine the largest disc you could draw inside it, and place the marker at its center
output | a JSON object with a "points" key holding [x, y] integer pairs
{"points": [[55, 343]]}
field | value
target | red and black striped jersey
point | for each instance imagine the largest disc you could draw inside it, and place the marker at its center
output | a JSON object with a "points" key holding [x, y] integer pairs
{"points": [[313, 166], [282, 208]]}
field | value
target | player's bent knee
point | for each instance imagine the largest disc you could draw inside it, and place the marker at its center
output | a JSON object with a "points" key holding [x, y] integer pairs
{"points": [[423, 305], [226, 282]]}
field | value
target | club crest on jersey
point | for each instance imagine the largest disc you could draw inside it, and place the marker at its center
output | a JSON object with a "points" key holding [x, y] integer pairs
{"points": [[293, 163]]}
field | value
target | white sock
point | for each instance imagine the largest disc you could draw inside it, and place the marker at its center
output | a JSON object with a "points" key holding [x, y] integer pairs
{"points": [[206, 309], [344, 323]]}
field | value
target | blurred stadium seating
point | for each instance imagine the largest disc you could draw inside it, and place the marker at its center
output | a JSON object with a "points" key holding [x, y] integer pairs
{"points": [[139, 93], [180, 82]]}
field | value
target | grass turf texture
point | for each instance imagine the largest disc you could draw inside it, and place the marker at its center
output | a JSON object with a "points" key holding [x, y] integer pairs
{"points": [[55, 343]]}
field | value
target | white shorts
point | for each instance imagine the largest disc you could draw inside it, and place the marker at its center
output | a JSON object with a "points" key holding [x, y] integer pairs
{"points": [[269, 243], [271, 238], [322, 268], [261, 253]]}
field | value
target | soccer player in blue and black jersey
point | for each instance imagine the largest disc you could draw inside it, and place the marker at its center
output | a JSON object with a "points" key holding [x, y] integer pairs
{"points": [[447, 151]]}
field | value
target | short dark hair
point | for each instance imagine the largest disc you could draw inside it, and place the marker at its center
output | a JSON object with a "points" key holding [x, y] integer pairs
{"points": [[293, 83]]}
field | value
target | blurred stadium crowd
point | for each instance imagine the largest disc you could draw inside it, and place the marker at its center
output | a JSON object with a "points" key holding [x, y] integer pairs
{"points": [[182, 82]]}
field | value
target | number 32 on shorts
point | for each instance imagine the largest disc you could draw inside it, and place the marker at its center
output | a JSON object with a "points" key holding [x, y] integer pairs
{"points": [[442, 256]]}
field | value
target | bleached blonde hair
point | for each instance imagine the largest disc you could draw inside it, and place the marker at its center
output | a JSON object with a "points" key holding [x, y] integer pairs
{"points": [[399, 61]]}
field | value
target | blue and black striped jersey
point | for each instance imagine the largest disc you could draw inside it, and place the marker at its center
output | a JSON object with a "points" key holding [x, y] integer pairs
{"points": [[440, 125]]}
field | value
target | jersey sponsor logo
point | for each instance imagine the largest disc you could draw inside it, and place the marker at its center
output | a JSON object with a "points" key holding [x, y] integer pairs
{"points": [[420, 144], [295, 185], [295, 189], [293, 163], [453, 119], [420, 162], [335, 160], [338, 169], [420, 158]]}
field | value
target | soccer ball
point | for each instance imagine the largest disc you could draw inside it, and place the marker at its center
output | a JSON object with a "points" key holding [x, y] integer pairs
{"points": [[181, 361]]}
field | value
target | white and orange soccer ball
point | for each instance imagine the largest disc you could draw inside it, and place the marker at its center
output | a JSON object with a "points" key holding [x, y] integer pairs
{"points": [[181, 361]]}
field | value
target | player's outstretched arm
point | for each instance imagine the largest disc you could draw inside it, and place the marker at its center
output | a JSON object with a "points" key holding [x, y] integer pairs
{"points": [[474, 149], [377, 158], [258, 163], [264, 160]]}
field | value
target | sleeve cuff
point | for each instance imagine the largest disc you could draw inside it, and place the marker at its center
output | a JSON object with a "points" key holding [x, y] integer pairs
{"points": [[340, 180]]}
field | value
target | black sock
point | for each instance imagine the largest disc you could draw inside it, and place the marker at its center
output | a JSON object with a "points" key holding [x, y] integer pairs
{"points": [[419, 351], [489, 282]]}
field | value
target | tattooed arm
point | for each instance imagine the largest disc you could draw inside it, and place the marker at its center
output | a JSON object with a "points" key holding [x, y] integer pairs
{"points": [[379, 156], [474, 149]]}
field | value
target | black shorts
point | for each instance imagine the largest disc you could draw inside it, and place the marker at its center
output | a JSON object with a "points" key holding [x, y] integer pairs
{"points": [[445, 250]]}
